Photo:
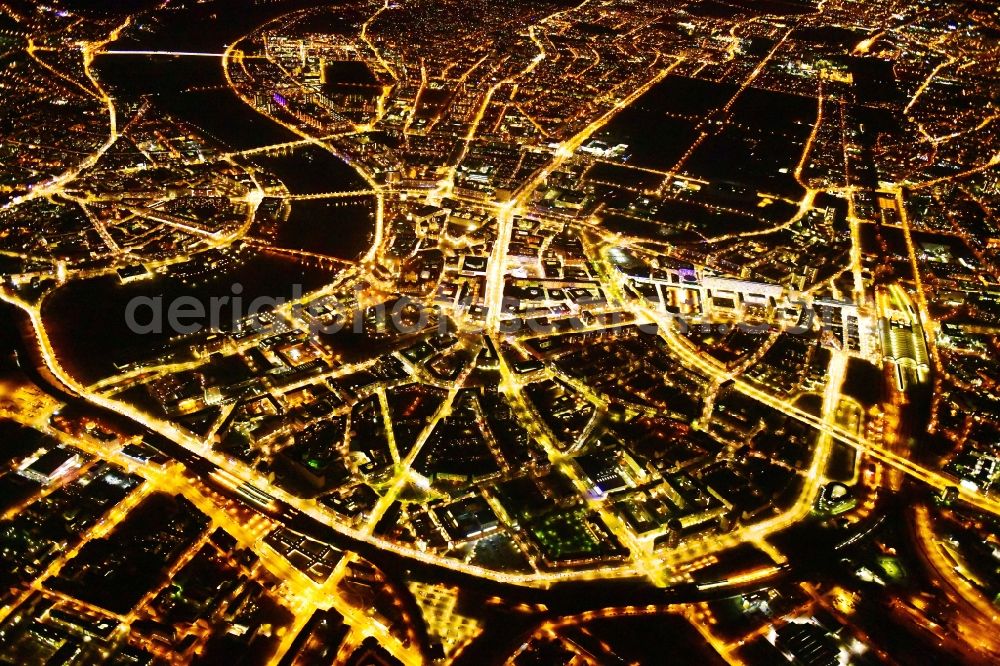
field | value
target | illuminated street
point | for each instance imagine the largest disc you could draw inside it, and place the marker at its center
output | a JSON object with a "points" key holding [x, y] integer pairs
{"points": [[499, 332]]}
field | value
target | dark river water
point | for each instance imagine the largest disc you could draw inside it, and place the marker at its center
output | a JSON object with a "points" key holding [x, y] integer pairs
{"points": [[87, 323], [87, 318]]}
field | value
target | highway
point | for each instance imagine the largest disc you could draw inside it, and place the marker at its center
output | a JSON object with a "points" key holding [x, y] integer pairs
{"points": [[503, 98], [507, 213], [936, 479], [191, 475]]}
